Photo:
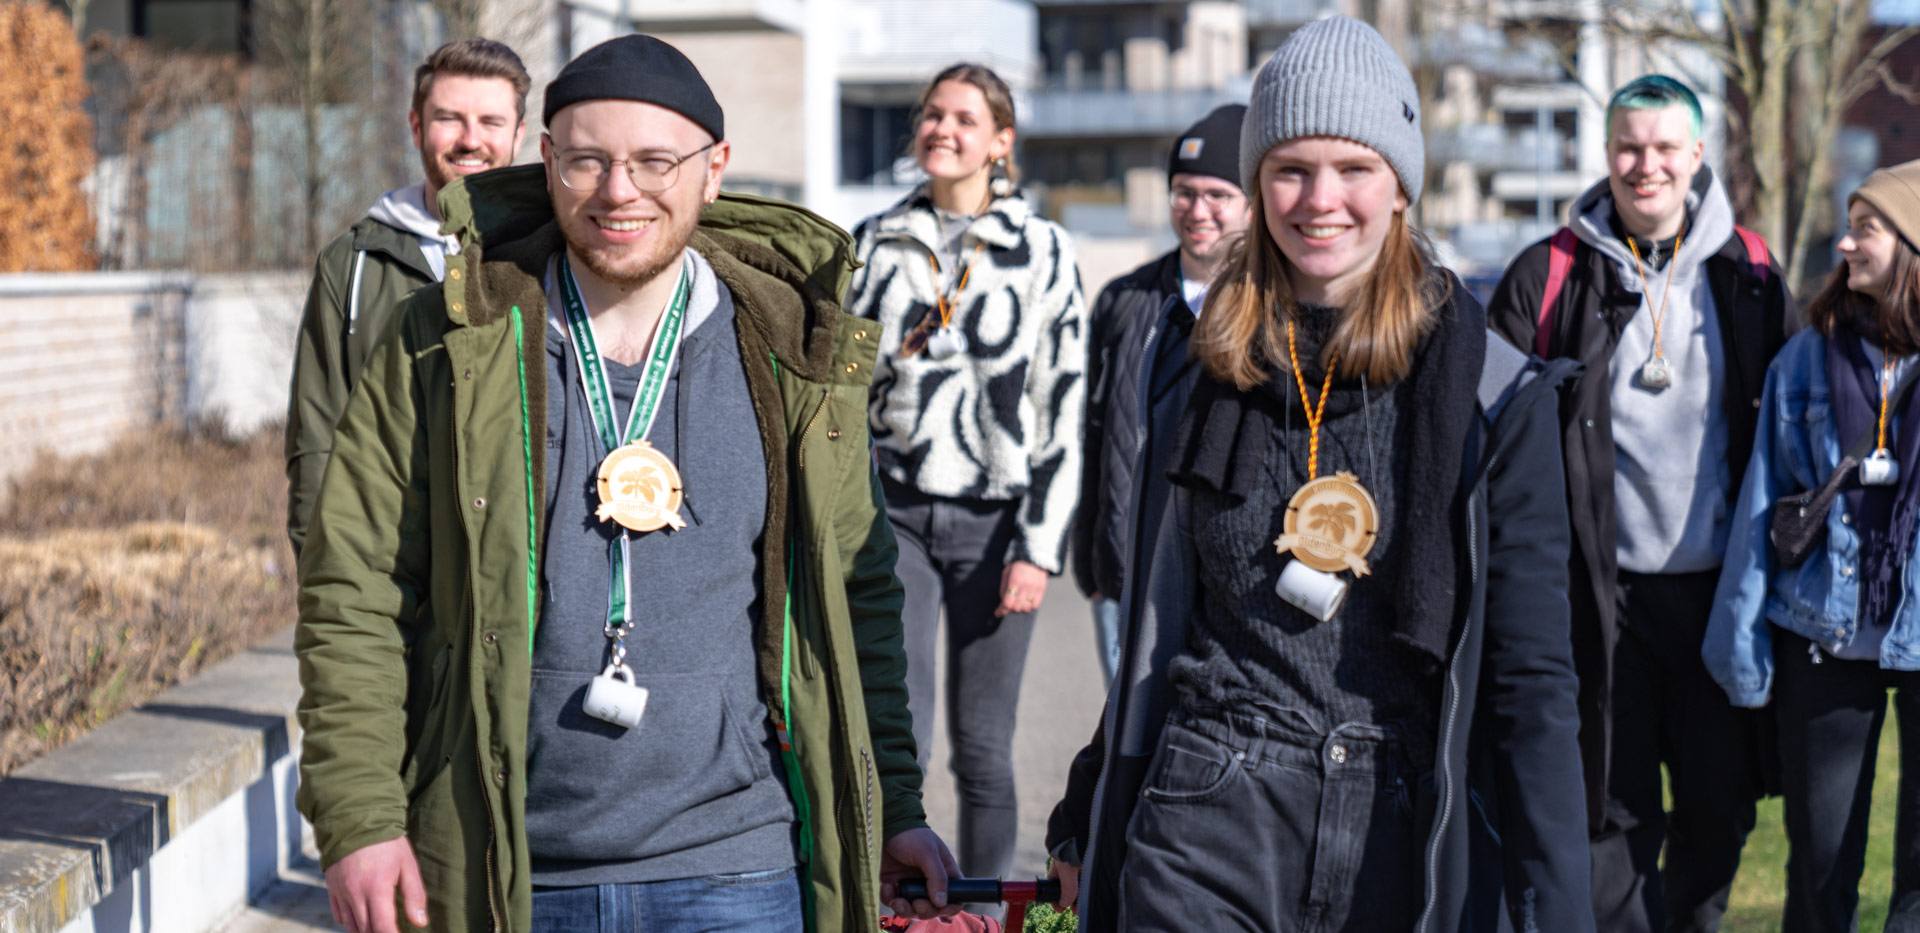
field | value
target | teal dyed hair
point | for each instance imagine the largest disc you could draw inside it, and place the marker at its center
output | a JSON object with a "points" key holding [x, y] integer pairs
{"points": [[1653, 92]]}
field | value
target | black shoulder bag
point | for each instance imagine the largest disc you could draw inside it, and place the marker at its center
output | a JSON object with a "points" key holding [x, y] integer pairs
{"points": [[1799, 521]]}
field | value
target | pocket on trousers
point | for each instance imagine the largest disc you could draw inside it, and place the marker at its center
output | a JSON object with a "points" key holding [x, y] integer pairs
{"points": [[1190, 767], [770, 876]]}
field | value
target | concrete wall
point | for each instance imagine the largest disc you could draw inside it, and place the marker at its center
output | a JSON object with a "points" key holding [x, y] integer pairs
{"points": [[89, 356]]}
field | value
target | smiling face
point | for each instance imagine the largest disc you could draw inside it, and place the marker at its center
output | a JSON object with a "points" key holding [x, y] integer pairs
{"points": [[1868, 248], [622, 234], [1652, 156], [465, 125], [956, 138], [1328, 204], [1205, 212]]}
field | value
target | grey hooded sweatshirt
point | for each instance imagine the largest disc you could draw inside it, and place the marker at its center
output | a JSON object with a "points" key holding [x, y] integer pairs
{"points": [[1671, 477]]}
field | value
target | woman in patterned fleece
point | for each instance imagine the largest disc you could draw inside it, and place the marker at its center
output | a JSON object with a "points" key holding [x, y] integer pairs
{"points": [[975, 414]]}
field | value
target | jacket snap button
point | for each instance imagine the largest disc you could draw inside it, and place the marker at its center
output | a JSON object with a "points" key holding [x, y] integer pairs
{"points": [[859, 335], [467, 375], [1846, 519], [851, 367], [492, 638], [1339, 754], [1846, 571], [833, 434], [1756, 404], [1589, 422], [480, 502], [454, 273], [500, 777]]}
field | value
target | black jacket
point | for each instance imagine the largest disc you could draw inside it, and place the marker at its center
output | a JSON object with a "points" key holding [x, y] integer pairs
{"points": [[1123, 316], [1506, 817], [1593, 308]]}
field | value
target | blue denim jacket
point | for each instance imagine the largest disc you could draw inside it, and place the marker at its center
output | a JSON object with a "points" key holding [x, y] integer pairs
{"points": [[1795, 448]]}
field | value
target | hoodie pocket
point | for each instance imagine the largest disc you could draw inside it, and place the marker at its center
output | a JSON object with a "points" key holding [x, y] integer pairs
{"points": [[596, 790]]}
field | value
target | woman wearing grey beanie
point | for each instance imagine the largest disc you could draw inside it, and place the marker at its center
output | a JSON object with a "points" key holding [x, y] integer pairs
{"points": [[1347, 698]]}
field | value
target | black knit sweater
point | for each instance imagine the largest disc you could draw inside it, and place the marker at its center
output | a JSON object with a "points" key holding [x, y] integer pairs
{"points": [[1249, 646]]}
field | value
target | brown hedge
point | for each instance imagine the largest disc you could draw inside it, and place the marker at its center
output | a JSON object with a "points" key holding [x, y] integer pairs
{"points": [[48, 154]]}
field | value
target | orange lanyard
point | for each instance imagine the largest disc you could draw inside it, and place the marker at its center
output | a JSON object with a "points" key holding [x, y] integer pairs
{"points": [[1660, 313], [1316, 410], [946, 301]]}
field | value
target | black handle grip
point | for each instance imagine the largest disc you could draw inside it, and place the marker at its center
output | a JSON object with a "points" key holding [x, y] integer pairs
{"points": [[976, 890]]}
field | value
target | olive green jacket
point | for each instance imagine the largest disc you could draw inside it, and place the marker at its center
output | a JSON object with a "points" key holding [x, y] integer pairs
{"points": [[359, 279], [420, 573]]}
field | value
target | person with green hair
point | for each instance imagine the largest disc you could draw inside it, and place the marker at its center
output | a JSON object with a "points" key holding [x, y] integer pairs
{"points": [[1673, 310]]}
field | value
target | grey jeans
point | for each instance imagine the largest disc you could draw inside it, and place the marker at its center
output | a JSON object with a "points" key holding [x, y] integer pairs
{"points": [[952, 554]]}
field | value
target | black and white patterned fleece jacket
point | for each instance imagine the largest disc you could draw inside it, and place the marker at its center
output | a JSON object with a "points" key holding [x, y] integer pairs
{"points": [[1000, 420]]}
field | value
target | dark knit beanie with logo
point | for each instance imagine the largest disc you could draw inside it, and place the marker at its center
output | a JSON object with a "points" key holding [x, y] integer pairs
{"points": [[1336, 77], [1895, 192], [1211, 146], [641, 68]]}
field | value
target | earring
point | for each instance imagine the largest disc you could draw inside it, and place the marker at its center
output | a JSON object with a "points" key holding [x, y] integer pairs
{"points": [[1000, 185]]}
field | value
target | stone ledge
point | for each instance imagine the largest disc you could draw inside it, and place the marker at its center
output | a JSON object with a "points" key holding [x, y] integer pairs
{"points": [[77, 824]]}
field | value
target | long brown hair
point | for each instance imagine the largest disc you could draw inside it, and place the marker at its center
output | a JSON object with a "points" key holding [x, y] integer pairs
{"points": [[1243, 330], [1892, 321], [998, 96]]}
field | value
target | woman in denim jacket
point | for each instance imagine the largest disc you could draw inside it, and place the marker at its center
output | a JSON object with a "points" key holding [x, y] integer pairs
{"points": [[1827, 639]]}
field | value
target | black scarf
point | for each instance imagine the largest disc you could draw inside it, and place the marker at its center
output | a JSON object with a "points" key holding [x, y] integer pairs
{"points": [[1886, 516], [1225, 444]]}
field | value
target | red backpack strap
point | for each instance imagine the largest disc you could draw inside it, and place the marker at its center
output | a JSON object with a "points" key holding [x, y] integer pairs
{"points": [[1757, 255], [1559, 264]]}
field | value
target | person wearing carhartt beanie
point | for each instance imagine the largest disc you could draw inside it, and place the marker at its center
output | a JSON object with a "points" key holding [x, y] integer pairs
{"points": [[1210, 146], [1336, 77], [1895, 192]]}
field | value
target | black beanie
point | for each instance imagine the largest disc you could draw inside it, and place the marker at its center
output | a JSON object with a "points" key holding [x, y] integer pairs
{"points": [[1211, 146], [641, 68]]}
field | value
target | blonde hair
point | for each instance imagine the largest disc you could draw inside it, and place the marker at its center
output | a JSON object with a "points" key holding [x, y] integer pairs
{"points": [[1242, 335]]}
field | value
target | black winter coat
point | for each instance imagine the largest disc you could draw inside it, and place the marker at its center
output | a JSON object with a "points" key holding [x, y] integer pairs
{"points": [[1506, 838], [1122, 316], [1754, 312]]}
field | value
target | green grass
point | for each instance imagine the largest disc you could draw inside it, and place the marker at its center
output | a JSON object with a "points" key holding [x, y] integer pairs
{"points": [[1760, 891]]}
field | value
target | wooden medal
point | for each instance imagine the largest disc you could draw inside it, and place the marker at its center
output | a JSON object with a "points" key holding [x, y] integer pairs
{"points": [[640, 489], [1331, 524]]}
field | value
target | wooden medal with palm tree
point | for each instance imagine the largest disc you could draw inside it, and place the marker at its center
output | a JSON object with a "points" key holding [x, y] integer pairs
{"points": [[1331, 524], [640, 489]]}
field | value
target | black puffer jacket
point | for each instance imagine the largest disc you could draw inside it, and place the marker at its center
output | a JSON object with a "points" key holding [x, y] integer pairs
{"points": [[1127, 309], [1506, 843]]}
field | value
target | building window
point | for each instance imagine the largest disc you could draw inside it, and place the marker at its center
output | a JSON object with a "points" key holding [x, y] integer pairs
{"points": [[872, 136], [195, 25]]}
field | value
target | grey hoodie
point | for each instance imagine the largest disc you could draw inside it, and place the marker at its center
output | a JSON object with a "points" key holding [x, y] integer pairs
{"points": [[1671, 478], [405, 209]]}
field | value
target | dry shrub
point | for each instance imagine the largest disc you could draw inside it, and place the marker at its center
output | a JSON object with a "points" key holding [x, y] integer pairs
{"points": [[44, 222], [126, 572]]}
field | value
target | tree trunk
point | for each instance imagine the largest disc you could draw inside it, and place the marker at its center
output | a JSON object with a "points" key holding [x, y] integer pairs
{"points": [[311, 89]]}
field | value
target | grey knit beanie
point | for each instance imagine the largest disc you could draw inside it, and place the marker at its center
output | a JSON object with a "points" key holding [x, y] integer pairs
{"points": [[1336, 77]]}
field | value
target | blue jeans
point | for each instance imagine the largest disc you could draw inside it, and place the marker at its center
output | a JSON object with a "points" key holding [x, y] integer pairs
{"points": [[751, 902], [1106, 635]]}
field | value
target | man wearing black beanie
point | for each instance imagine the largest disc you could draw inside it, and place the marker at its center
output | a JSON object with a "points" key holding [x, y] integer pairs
{"points": [[599, 623], [1155, 303]]}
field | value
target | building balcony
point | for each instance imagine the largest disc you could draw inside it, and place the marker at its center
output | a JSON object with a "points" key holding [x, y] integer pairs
{"points": [[1531, 185], [783, 15], [1282, 14], [1080, 112], [1491, 148]]}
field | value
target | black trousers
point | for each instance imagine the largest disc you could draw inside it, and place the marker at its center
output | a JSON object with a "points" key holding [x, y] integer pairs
{"points": [[1250, 820], [1667, 710], [1830, 714], [952, 555]]}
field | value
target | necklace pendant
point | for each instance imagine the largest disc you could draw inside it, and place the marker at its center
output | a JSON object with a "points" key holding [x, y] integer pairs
{"points": [[1657, 374], [1879, 469], [640, 489]]}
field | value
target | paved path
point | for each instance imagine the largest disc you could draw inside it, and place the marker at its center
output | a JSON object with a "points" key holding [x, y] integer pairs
{"points": [[1060, 699]]}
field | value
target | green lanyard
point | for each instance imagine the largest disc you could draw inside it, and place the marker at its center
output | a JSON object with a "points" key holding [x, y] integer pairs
{"points": [[600, 405]]}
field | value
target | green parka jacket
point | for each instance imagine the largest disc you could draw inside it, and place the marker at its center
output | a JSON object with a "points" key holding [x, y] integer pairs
{"points": [[419, 577]]}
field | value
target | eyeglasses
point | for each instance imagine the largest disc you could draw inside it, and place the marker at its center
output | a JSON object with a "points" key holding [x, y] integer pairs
{"points": [[650, 172], [1214, 198]]}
